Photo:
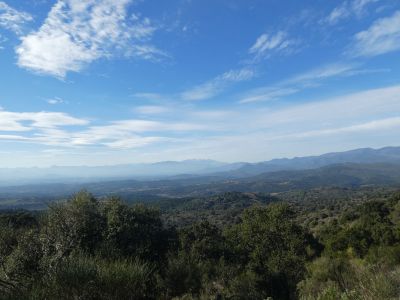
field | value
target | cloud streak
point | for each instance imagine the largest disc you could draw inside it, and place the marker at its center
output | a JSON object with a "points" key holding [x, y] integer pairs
{"points": [[13, 19], [215, 86], [366, 111], [299, 82], [348, 9], [268, 94], [266, 44], [63, 130], [382, 37], [151, 109], [381, 124], [55, 100], [28, 121]]}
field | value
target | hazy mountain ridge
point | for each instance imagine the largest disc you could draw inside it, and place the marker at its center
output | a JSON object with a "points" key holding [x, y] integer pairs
{"points": [[371, 168], [77, 174], [191, 168], [361, 156]]}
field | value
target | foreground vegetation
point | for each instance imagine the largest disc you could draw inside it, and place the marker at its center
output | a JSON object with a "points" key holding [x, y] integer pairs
{"points": [[90, 249]]}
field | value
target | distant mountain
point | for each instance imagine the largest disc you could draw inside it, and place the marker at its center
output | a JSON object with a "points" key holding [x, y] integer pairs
{"points": [[339, 175], [360, 156], [79, 174], [191, 170]]}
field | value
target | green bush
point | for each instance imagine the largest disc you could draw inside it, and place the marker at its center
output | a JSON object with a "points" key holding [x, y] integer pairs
{"points": [[82, 277]]}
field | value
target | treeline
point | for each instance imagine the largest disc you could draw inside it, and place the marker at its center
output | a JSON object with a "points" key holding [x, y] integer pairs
{"points": [[90, 249]]}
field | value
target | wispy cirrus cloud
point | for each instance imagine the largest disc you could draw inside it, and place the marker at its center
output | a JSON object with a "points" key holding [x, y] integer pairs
{"points": [[76, 33], [242, 133], [357, 128], [349, 121], [268, 94], [29, 121], [63, 130], [265, 46], [206, 90], [215, 86], [379, 124], [299, 82], [287, 87], [149, 96], [2, 41], [337, 14], [55, 100], [359, 6], [12, 19], [151, 109], [349, 108], [271, 43], [382, 37], [323, 72], [347, 9]]}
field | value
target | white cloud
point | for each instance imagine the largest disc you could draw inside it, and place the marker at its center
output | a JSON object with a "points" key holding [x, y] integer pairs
{"points": [[362, 119], [323, 72], [150, 126], [13, 19], [28, 121], [347, 9], [148, 52], [348, 108], [262, 48], [242, 133], [207, 115], [382, 37], [338, 13], [75, 33], [151, 109], [267, 43], [134, 142], [238, 75], [215, 86], [299, 82], [206, 90], [53, 128], [380, 124], [55, 100], [149, 96], [268, 94], [359, 6], [2, 41], [124, 133]]}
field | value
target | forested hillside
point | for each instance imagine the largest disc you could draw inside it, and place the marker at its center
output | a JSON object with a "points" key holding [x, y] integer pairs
{"points": [[241, 246], [182, 187]]}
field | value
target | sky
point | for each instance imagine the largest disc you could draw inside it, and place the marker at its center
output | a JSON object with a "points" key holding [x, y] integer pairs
{"points": [[103, 82]]}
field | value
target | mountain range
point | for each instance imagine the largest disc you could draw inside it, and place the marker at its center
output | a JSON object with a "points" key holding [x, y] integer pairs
{"points": [[198, 178], [190, 168], [358, 156]]}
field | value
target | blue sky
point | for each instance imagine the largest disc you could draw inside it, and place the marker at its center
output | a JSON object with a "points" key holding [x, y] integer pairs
{"points": [[100, 82]]}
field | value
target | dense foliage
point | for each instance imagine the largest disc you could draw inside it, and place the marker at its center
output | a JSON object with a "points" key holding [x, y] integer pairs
{"points": [[260, 248]]}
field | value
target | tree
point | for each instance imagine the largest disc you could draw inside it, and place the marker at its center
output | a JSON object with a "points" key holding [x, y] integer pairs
{"points": [[202, 240], [273, 249], [134, 231], [75, 225]]}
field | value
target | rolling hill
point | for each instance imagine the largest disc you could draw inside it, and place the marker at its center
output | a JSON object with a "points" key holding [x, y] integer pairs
{"points": [[338, 175]]}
